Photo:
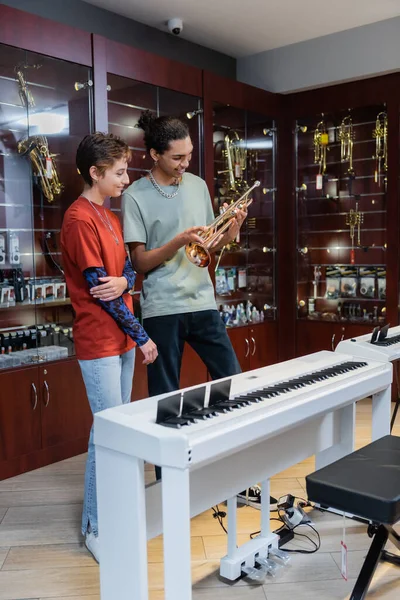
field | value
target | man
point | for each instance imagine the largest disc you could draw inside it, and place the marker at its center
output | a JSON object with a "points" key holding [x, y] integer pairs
{"points": [[162, 213]]}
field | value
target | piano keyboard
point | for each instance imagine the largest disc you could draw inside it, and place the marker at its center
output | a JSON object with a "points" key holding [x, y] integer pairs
{"points": [[224, 404], [386, 349], [389, 341], [220, 417]]}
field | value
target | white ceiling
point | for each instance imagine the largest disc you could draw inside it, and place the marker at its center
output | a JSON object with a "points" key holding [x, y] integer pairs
{"points": [[241, 28]]}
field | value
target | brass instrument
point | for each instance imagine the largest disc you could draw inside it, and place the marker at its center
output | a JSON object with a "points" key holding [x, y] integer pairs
{"points": [[321, 140], [354, 219], [43, 164], [235, 154], [37, 146], [380, 134], [25, 94], [198, 253], [346, 138]]}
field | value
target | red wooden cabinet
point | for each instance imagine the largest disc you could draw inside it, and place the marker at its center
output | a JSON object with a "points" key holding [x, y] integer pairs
{"points": [[66, 413], [315, 336], [44, 416], [20, 414], [255, 345]]}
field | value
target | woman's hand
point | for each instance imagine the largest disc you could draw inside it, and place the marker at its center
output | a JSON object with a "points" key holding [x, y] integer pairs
{"points": [[150, 352], [110, 289]]}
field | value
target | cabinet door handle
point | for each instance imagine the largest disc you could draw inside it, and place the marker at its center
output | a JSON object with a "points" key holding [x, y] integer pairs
{"points": [[247, 347], [342, 338], [46, 402], [34, 403], [333, 341], [254, 350]]}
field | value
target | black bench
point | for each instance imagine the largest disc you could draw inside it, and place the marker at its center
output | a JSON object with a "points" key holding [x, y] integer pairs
{"points": [[366, 484]]}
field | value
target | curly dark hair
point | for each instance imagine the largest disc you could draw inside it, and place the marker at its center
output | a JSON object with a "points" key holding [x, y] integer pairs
{"points": [[160, 131], [100, 150]]}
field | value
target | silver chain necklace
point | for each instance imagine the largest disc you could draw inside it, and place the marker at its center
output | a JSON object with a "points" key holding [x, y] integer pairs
{"points": [[160, 190], [105, 220]]}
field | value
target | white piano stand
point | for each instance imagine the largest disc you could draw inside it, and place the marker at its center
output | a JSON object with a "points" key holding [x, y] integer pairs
{"points": [[130, 513]]}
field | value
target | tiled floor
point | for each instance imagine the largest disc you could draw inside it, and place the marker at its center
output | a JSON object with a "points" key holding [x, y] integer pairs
{"points": [[42, 555]]}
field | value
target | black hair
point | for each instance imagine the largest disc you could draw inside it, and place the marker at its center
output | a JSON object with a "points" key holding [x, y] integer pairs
{"points": [[100, 150], [160, 131]]}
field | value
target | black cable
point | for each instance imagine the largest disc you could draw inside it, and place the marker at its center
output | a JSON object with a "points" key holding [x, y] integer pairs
{"points": [[255, 533], [316, 546], [219, 515]]}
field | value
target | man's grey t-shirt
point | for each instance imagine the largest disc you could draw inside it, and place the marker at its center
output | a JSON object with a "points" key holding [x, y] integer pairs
{"points": [[177, 285]]}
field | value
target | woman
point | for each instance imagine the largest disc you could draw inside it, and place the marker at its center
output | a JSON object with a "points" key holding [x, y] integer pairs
{"points": [[99, 276]]}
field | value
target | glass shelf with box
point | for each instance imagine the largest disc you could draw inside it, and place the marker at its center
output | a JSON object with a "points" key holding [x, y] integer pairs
{"points": [[45, 110], [341, 182], [244, 152]]}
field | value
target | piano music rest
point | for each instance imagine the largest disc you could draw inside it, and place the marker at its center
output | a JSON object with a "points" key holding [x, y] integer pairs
{"points": [[365, 483]]}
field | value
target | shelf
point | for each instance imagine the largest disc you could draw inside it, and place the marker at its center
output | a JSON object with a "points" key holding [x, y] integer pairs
{"points": [[335, 198], [35, 305], [342, 321], [250, 324], [341, 298]]}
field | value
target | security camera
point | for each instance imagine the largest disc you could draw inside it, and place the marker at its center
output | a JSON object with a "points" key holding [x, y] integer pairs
{"points": [[175, 26]]}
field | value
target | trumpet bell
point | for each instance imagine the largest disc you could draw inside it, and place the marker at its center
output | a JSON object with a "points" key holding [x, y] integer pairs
{"points": [[198, 254]]}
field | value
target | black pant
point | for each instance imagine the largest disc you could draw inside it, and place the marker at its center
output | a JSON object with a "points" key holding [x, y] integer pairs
{"points": [[205, 332]]}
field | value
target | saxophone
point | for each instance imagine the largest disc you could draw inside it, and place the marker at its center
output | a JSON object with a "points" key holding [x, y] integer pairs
{"points": [[43, 164], [37, 147]]}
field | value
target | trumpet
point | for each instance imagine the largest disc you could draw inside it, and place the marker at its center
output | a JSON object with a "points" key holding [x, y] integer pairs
{"points": [[320, 144], [346, 138], [198, 253], [43, 164], [381, 151]]}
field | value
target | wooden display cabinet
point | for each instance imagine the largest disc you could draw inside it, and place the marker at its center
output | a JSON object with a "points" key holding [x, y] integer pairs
{"points": [[45, 101], [240, 126], [342, 218]]}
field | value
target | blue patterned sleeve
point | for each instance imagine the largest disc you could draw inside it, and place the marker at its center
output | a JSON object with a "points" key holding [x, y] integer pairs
{"points": [[117, 308], [129, 274]]}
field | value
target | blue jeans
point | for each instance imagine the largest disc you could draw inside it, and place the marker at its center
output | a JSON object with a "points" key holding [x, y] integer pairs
{"points": [[108, 383]]}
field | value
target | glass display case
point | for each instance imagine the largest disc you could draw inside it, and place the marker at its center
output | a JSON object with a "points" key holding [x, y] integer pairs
{"points": [[244, 152], [45, 110], [341, 188], [127, 99]]}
